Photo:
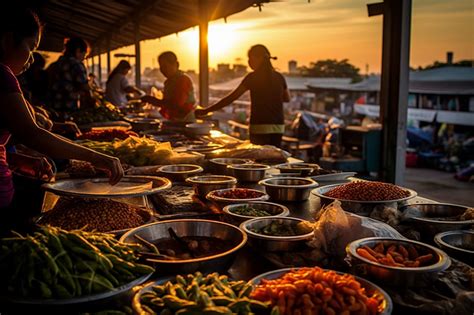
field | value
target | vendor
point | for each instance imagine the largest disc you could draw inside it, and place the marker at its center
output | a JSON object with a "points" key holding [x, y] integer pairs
{"points": [[268, 91], [178, 103], [69, 87], [20, 33], [118, 86]]}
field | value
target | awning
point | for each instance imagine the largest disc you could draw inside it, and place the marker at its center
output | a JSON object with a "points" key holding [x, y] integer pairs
{"points": [[110, 24]]}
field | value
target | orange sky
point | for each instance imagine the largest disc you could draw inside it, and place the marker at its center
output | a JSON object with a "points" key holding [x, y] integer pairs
{"points": [[322, 29]]}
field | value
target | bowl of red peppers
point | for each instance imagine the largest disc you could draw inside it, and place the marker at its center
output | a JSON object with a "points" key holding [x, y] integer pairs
{"points": [[396, 262]]}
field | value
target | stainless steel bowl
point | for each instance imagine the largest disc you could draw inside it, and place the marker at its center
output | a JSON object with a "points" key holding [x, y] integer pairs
{"points": [[143, 124], [396, 276], [274, 209], [179, 172], [191, 227], [363, 208], [248, 172], [431, 223], [204, 184], [302, 169], [203, 128], [219, 165], [288, 188], [215, 197], [458, 244], [274, 243], [385, 302]]}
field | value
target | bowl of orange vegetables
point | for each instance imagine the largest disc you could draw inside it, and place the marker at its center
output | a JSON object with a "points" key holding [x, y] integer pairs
{"points": [[396, 262], [319, 291]]}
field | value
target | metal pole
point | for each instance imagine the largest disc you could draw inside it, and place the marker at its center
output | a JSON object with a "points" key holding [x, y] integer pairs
{"points": [[93, 65], [394, 88], [100, 68], [203, 56], [108, 56], [137, 54]]}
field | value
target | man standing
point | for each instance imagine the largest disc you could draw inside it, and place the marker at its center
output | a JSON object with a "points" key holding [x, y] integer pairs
{"points": [[178, 103]]}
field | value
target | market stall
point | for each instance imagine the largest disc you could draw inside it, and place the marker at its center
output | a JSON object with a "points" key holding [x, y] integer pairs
{"points": [[188, 236]]}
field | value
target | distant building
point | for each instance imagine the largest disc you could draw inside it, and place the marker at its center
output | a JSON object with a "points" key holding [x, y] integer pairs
{"points": [[239, 69], [443, 94], [292, 67]]}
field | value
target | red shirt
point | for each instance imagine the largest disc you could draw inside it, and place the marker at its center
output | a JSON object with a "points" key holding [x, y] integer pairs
{"points": [[179, 93], [8, 84]]}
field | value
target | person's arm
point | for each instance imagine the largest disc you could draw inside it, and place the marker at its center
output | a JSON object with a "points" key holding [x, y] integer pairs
{"points": [[235, 94], [133, 90], [21, 124]]}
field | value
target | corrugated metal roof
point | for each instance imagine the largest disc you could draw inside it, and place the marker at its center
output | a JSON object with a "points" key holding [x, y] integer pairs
{"points": [[294, 83], [100, 21], [446, 80]]}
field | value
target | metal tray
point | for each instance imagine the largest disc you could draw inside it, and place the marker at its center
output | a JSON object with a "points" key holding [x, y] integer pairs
{"points": [[77, 300], [320, 192], [75, 187], [369, 286]]}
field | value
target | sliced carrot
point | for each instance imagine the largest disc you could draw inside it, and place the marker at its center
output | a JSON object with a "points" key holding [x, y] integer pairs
{"points": [[402, 250], [364, 253]]}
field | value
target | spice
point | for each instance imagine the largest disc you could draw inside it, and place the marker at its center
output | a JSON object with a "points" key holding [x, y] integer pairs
{"points": [[368, 191], [251, 211], [103, 215]]}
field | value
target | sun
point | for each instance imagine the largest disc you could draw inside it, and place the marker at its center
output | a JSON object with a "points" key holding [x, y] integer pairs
{"points": [[221, 39]]}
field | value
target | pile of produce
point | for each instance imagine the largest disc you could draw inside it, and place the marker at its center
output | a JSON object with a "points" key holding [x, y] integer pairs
{"points": [[316, 291], [133, 150], [198, 294], [277, 228], [56, 264], [102, 215], [251, 211], [107, 134], [396, 256], [368, 191], [100, 112]]}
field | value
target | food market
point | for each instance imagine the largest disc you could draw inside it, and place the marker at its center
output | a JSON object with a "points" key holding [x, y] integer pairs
{"points": [[156, 197]]}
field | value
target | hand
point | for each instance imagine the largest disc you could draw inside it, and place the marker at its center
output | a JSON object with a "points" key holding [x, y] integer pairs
{"points": [[200, 112], [111, 165]]}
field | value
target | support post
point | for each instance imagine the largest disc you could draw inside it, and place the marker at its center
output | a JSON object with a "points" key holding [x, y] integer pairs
{"points": [[93, 65], [394, 87], [108, 57], [99, 77], [138, 79], [203, 55]]}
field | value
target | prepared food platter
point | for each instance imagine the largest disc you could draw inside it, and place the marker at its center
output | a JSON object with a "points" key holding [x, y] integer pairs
{"points": [[129, 186]]}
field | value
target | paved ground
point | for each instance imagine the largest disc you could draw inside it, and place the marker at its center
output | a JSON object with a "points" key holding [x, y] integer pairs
{"points": [[439, 186]]}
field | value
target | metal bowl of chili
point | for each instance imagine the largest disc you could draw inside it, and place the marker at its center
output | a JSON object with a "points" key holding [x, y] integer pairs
{"points": [[397, 262]]}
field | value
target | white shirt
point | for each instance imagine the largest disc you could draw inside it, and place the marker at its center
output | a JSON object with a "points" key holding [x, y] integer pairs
{"points": [[115, 90]]}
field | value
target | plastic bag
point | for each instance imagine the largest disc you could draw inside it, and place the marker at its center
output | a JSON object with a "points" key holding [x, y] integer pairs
{"points": [[335, 228]]}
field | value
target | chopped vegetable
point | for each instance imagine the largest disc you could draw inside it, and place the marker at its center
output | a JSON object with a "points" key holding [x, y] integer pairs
{"points": [[282, 228], [316, 291], [396, 256], [251, 211], [198, 294]]}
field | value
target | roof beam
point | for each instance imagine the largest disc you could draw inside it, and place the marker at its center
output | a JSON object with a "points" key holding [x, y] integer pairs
{"points": [[121, 22]]}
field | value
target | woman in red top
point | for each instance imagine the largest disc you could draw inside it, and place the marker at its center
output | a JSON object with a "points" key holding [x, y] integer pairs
{"points": [[20, 33]]}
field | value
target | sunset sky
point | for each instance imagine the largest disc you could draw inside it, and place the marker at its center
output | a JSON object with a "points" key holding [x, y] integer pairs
{"points": [[322, 29]]}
